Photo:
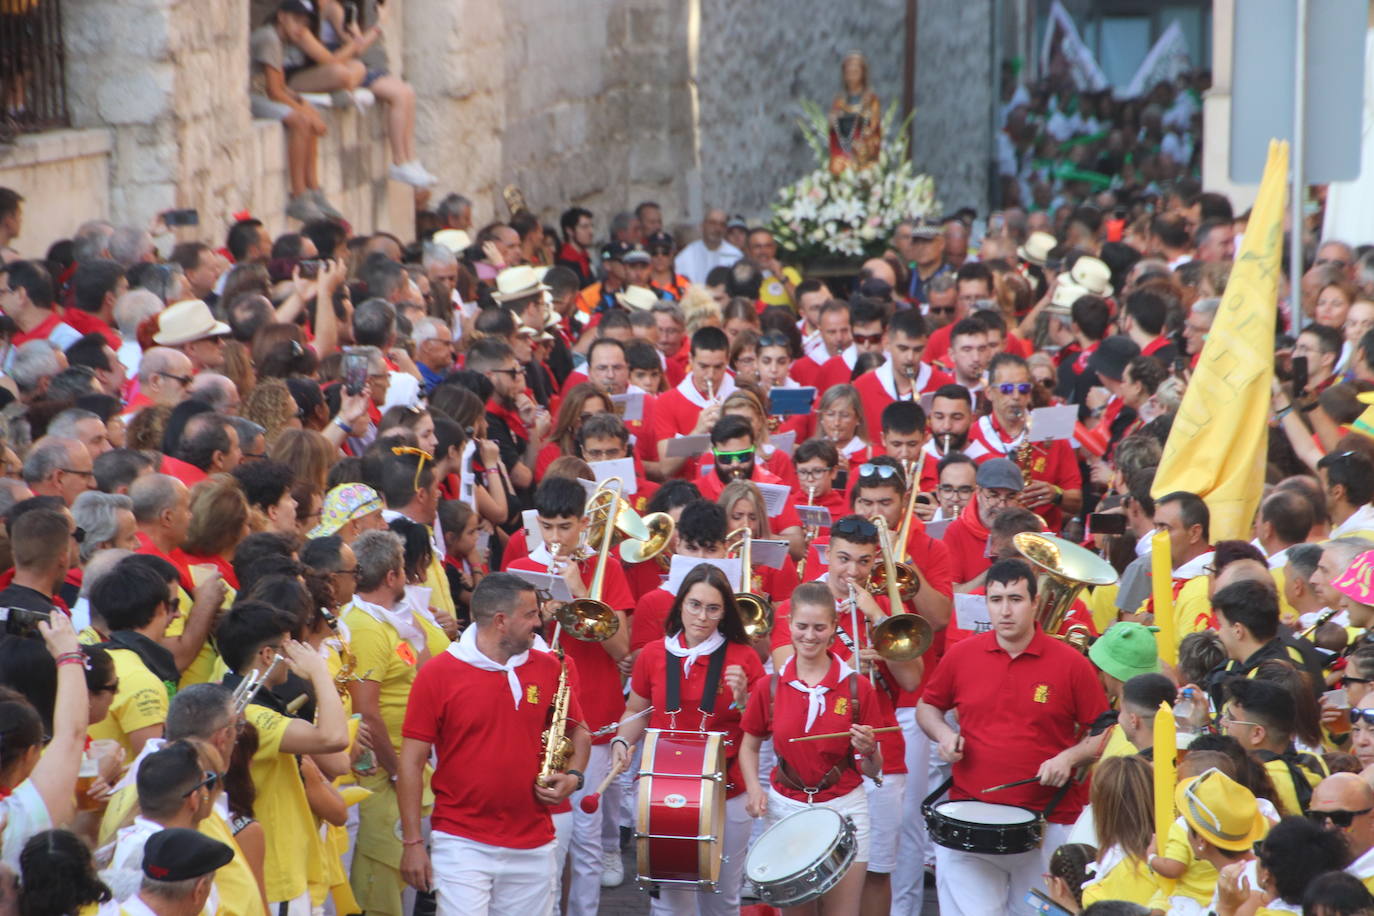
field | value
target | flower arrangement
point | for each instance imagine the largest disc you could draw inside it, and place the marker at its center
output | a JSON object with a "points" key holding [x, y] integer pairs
{"points": [[852, 214]]}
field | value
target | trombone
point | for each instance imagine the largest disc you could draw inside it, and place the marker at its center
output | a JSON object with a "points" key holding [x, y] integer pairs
{"points": [[755, 610], [900, 637], [892, 571]]}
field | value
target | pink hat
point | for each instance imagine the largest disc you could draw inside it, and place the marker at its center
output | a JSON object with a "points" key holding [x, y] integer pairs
{"points": [[1357, 582]]}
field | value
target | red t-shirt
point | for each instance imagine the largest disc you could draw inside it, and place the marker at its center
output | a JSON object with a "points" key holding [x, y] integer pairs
{"points": [[467, 714], [187, 473], [710, 486], [1016, 713], [650, 617], [643, 578], [784, 717], [967, 549], [601, 696], [177, 558], [806, 371], [877, 390], [649, 680], [1053, 462]]}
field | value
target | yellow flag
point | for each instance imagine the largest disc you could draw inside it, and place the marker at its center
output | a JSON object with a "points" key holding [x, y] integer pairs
{"points": [[1219, 442]]}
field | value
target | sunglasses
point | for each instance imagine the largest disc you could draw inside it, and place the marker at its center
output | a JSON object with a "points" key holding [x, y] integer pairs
{"points": [[1341, 819], [743, 456], [1361, 715], [184, 379], [657, 250], [1355, 680], [881, 471], [208, 784], [868, 340], [854, 527], [1015, 388], [940, 310]]}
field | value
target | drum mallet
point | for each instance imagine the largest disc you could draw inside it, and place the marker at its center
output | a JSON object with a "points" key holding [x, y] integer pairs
{"points": [[591, 802], [1012, 785], [876, 731]]}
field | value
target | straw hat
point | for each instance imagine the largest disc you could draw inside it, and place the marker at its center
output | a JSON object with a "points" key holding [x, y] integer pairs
{"points": [[455, 240], [637, 298], [518, 282], [1037, 248], [187, 321], [1093, 275], [1066, 293]]}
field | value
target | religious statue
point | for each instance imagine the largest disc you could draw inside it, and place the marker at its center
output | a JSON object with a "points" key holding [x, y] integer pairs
{"points": [[855, 118]]}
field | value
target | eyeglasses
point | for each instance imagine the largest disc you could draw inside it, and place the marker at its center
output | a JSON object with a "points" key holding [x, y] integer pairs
{"points": [[1046, 383], [854, 527], [1015, 387], [996, 496], [1361, 715], [348, 572], [881, 471], [813, 473], [696, 608], [1227, 717], [941, 309], [868, 340], [1341, 819], [184, 379], [513, 373], [656, 250], [1355, 680], [79, 534], [75, 471], [949, 489], [743, 456], [208, 784]]}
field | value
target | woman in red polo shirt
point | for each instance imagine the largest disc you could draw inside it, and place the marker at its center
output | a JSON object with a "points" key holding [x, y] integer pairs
{"points": [[708, 663], [580, 402], [815, 693]]}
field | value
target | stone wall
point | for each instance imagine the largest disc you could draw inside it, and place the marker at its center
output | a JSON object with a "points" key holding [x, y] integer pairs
{"points": [[51, 168]]}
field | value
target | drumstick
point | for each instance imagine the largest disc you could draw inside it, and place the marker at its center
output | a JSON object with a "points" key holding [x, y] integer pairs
{"points": [[607, 729], [876, 731], [590, 802], [1012, 785]]}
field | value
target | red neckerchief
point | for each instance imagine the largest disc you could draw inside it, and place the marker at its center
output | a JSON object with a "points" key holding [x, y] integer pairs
{"points": [[226, 569], [1154, 346], [1066, 352], [512, 418], [42, 332], [1111, 412], [971, 521], [1080, 365], [86, 323]]}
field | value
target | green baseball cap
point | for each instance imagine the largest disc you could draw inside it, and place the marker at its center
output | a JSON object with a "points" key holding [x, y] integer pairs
{"points": [[1125, 650]]}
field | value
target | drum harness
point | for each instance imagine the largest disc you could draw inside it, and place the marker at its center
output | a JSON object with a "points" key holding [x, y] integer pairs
{"points": [[832, 776]]}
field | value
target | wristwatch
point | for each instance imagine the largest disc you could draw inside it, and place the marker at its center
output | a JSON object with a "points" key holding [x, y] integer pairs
{"points": [[581, 778]]}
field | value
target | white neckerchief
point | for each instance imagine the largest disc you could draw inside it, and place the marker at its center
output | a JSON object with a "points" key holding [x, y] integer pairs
{"points": [[1098, 871], [418, 597], [850, 355], [465, 650], [993, 439], [673, 645], [1193, 568], [815, 696], [887, 377], [401, 619], [688, 390], [131, 774], [1363, 867]]}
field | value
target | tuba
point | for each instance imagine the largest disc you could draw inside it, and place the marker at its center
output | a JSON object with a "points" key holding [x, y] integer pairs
{"points": [[902, 636], [755, 610], [1065, 569]]}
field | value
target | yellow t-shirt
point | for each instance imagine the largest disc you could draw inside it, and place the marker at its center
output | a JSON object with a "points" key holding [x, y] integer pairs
{"points": [[1130, 879], [140, 702], [1199, 882], [238, 888], [440, 596], [1287, 615], [1102, 604], [384, 657], [773, 292], [281, 808], [206, 667], [1118, 745]]}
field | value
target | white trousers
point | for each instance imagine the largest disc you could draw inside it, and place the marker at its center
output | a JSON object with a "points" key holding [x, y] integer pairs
{"points": [[584, 890], [853, 803], [474, 879], [297, 907], [679, 901], [562, 839], [908, 875], [982, 884], [884, 821]]}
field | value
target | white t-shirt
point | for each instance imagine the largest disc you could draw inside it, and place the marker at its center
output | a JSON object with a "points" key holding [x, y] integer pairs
{"points": [[23, 814]]}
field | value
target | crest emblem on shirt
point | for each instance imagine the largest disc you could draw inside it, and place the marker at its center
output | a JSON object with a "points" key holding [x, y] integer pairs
{"points": [[531, 693], [841, 706], [405, 653], [1041, 694]]}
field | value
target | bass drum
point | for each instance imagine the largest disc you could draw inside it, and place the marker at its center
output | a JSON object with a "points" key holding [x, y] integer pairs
{"points": [[801, 856], [680, 821]]}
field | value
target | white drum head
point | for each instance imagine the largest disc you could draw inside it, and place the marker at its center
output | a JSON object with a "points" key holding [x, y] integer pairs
{"points": [[794, 843], [977, 812]]}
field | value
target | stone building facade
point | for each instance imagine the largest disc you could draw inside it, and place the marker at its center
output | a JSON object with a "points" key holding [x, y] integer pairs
{"points": [[601, 103]]}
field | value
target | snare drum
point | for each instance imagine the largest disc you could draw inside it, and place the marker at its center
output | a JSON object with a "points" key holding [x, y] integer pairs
{"points": [[976, 826], [680, 825], [801, 856]]}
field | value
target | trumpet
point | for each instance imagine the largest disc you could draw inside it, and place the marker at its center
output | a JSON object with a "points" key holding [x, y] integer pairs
{"points": [[710, 392], [944, 443], [1322, 619], [901, 636], [248, 688], [809, 533], [754, 609]]}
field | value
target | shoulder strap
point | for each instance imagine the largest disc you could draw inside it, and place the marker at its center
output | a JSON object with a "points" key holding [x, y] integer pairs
{"points": [[713, 673]]}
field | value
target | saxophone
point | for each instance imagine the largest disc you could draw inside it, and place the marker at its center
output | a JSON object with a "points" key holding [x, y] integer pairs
{"points": [[348, 662], [557, 747]]}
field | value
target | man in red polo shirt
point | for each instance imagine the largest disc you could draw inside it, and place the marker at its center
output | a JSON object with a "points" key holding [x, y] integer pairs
{"points": [[834, 338], [973, 282], [1025, 701], [735, 458], [904, 377], [1054, 486], [482, 707], [694, 405], [561, 505], [608, 367]]}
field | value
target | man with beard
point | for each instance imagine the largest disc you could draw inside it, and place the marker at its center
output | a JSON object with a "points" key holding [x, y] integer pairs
{"points": [[905, 376], [868, 319], [734, 451], [514, 421], [951, 418], [482, 707]]}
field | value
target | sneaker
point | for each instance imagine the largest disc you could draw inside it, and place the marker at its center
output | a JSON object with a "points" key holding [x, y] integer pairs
{"points": [[302, 207], [612, 869], [411, 173], [430, 176], [328, 209], [363, 99]]}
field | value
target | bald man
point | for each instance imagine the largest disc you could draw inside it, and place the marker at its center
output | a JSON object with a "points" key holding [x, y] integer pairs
{"points": [[1348, 803], [164, 379]]}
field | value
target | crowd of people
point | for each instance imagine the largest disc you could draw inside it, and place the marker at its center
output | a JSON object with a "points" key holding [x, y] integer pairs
{"points": [[353, 472]]}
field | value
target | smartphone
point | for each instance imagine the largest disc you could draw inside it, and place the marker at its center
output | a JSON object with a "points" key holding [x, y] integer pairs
{"points": [[925, 499], [1040, 903], [310, 268], [181, 218], [354, 372], [1106, 523], [1299, 375], [1180, 367]]}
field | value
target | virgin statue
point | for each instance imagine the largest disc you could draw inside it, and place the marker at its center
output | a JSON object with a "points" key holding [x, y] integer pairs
{"points": [[855, 116]]}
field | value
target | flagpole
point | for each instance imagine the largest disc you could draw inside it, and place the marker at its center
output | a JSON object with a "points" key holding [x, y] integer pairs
{"points": [[1298, 197]]}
